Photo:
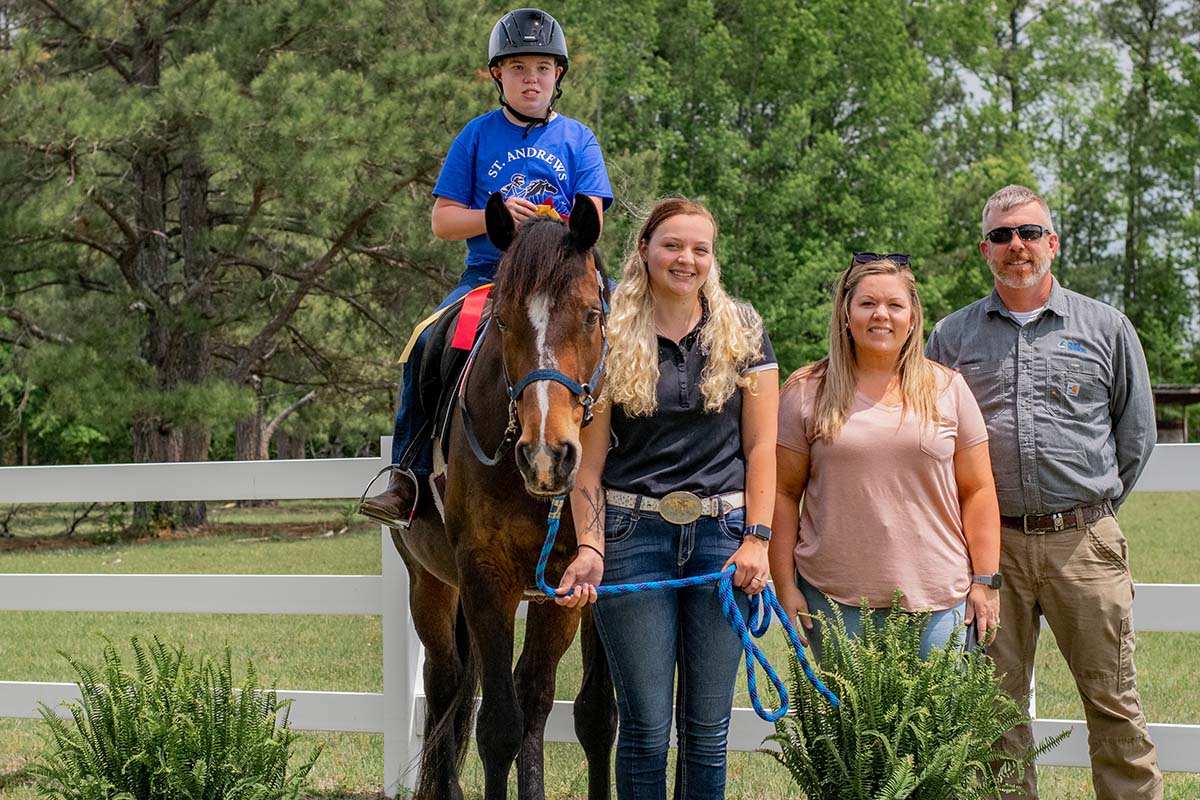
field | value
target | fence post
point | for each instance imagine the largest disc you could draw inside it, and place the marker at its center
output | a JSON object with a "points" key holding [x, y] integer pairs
{"points": [[402, 657]]}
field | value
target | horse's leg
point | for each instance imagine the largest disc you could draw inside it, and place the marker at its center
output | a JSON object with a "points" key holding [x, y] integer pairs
{"points": [[596, 710], [490, 610], [549, 630], [449, 683]]}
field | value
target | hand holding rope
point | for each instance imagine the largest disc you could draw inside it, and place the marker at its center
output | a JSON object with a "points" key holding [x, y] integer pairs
{"points": [[760, 618]]}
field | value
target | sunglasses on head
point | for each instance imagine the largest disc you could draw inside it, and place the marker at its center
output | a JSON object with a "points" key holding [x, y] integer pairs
{"points": [[1028, 233], [899, 259]]}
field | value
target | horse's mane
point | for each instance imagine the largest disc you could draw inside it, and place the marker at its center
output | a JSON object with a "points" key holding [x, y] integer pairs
{"points": [[538, 261]]}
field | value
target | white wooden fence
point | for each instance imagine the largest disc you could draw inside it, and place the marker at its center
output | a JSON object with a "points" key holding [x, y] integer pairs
{"points": [[397, 713]]}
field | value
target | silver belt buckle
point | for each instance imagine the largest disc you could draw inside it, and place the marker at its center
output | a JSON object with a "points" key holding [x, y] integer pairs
{"points": [[1058, 521], [680, 508]]}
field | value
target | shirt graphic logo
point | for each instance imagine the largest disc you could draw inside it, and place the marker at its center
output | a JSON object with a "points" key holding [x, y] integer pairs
{"points": [[529, 190], [1070, 346], [1073, 388]]}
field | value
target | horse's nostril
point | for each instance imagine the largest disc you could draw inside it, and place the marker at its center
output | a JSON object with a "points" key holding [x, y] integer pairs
{"points": [[522, 456], [568, 459]]}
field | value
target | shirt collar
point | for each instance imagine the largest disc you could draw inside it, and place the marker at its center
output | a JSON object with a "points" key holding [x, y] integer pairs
{"points": [[1056, 302], [689, 339]]}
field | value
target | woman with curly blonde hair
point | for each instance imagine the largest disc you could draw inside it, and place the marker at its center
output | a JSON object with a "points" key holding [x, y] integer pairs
{"points": [[689, 406], [889, 452]]}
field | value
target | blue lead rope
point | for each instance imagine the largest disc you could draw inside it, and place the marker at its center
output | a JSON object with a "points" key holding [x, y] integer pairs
{"points": [[760, 618]]}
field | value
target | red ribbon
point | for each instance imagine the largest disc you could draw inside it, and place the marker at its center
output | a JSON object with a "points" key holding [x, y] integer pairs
{"points": [[468, 318]]}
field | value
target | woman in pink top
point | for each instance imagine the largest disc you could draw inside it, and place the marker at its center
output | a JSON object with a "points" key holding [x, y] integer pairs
{"points": [[889, 452]]}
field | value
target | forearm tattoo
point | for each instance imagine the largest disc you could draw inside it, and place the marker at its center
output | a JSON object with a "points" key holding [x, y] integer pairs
{"points": [[594, 528]]}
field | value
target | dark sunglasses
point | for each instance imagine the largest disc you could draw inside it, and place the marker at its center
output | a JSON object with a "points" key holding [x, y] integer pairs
{"points": [[1028, 233], [899, 259]]}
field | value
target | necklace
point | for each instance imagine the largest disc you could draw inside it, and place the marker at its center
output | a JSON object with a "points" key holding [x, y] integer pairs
{"points": [[693, 320]]}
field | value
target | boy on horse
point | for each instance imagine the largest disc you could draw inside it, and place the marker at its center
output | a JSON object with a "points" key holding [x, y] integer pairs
{"points": [[531, 154]]}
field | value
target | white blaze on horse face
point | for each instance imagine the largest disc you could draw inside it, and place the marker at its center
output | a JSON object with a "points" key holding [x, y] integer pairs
{"points": [[539, 316]]}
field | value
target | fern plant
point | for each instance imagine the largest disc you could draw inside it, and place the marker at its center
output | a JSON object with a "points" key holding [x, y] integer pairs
{"points": [[173, 728], [906, 728]]}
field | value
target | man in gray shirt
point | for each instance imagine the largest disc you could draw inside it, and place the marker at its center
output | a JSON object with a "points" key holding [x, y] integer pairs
{"points": [[1063, 386]]}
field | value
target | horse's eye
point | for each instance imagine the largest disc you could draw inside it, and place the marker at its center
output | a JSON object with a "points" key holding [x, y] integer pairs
{"points": [[500, 324], [593, 316]]}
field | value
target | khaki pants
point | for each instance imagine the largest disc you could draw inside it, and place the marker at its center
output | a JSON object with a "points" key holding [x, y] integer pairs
{"points": [[1079, 580]]}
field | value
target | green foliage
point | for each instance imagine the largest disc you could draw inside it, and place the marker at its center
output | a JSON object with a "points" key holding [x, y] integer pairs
{"points": [[314, 120], [172, 728], [906, 728]]}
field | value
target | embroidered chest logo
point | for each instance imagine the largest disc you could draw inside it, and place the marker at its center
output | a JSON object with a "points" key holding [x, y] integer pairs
{"points": [[1070, 346], [1073, 388]]}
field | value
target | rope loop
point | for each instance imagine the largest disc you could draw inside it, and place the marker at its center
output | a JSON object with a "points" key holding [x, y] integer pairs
{"points": [[761, 608]]}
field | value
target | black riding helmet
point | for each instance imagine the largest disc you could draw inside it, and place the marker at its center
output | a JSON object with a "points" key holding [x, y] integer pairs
{"points": [[528, 32]]}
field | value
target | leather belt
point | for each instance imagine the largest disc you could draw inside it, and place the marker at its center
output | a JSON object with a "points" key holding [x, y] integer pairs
{"points": [[678, 508], [1059, 521]]}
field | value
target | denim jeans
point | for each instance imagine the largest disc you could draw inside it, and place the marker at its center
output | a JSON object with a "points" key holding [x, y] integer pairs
{"points": [[410, 418], [652, 636], [941, 624]]}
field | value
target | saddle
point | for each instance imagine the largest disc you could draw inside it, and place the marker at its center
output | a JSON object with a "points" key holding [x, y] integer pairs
{"points": [[446, 352]]}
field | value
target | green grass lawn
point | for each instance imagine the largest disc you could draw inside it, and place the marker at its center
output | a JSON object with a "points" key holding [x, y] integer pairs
{"points": [[343, 653]]}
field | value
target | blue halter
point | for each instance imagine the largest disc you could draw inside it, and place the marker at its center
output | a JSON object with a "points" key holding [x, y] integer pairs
{"points": [[581, 391]]}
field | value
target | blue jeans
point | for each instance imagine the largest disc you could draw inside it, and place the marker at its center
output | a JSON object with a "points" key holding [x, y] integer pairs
{"points": [[652, 636], [941, 624], [407, 431]]}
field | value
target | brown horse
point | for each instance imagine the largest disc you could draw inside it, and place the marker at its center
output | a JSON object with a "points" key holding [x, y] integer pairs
{"points": [[468, 576]]}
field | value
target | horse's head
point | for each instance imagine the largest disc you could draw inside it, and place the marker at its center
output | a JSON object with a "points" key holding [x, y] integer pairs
{"points": [[549, 302]]}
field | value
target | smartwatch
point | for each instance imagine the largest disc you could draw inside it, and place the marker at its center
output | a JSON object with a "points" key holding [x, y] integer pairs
{"points": [[760, 531], [995, 580]]}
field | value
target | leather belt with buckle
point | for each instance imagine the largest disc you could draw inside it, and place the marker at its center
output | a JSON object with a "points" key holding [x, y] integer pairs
{"points": [[678, 508], [1059, 521]]}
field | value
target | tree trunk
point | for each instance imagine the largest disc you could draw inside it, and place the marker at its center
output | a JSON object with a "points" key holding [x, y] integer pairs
{"points": [[289, 445], [1013, 69], [176, 342], [193, 346], [174, 354], [248, 434], [154, 441]]}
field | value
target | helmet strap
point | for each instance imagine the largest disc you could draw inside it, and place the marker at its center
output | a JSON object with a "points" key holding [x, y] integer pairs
{"points": [[530, 122]]}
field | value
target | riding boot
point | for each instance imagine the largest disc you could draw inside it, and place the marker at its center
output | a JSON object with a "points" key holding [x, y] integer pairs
{"points": [[396, 505]]}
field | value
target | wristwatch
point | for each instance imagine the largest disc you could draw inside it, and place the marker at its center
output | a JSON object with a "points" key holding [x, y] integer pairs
{"points": [[761, 531], [995, 580]]}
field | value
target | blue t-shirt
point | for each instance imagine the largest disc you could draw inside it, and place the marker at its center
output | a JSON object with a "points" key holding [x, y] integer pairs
{"points": [[555, 162]]}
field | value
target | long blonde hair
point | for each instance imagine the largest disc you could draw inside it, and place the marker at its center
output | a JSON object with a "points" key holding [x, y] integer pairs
{"points": [[837, 374], [732, 336]]}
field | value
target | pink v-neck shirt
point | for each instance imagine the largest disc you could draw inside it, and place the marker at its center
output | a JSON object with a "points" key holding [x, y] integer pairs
{"points": [[881, 509]]}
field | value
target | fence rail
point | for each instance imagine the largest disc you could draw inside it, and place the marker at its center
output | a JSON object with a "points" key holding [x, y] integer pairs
{"points": [[398, 711]]}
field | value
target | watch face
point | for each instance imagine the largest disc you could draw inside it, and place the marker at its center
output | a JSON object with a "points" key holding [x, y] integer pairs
{"points": [[760, 531]]}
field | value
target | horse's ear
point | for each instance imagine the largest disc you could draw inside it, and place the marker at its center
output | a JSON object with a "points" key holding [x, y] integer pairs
{"points": [[500, 227], [585, 223]]}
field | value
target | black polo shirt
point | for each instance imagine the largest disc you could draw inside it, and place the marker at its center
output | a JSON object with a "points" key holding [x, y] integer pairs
{"points": [[681, 447]]}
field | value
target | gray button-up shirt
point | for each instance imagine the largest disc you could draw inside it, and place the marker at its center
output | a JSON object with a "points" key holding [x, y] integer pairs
{"points": [[1066, 398]]}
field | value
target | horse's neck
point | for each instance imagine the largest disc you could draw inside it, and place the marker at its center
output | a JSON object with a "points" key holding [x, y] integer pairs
{"points": [[486, 389], [486, 398]]}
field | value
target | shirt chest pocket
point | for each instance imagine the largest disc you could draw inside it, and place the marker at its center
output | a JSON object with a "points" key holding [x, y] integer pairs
{"points": [[1073, 387], [991, 383], [938, 440]]}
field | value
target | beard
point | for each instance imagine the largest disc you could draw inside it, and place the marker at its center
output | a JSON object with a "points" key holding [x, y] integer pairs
{"points": [[1039, 265]]}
